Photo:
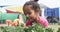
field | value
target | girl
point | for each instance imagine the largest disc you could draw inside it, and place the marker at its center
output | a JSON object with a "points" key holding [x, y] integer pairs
{"points": [[31, 9]]}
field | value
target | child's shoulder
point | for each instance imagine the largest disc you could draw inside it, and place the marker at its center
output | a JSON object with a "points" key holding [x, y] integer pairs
{"points": [[42, 18]]}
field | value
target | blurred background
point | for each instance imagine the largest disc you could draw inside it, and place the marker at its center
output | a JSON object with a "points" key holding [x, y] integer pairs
{"points": [[12, 9]]}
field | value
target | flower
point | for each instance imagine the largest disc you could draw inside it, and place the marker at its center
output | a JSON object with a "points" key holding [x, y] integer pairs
{"points": [[8, 22], [14, 24], [17, 20]]}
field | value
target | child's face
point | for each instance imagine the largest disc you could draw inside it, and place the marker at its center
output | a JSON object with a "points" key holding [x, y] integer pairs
{"points": [[30, 13]]}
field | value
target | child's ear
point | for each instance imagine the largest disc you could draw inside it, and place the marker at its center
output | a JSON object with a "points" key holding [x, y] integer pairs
{"points": [[37, 10]]}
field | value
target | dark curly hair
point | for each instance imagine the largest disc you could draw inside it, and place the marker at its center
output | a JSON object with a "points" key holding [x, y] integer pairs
{"points": [[34, 4]]}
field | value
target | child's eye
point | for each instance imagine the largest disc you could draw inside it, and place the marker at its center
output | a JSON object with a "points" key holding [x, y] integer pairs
{"points": [[27, 13]]}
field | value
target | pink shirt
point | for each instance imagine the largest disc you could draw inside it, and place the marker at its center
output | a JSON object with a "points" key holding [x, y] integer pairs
{"points": [[40, 20]]}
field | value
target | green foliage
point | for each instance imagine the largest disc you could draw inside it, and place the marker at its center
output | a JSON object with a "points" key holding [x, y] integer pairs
{"points": [[58, 30], [34, 28], [11, 29], [37, 28], [49, 30]]}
